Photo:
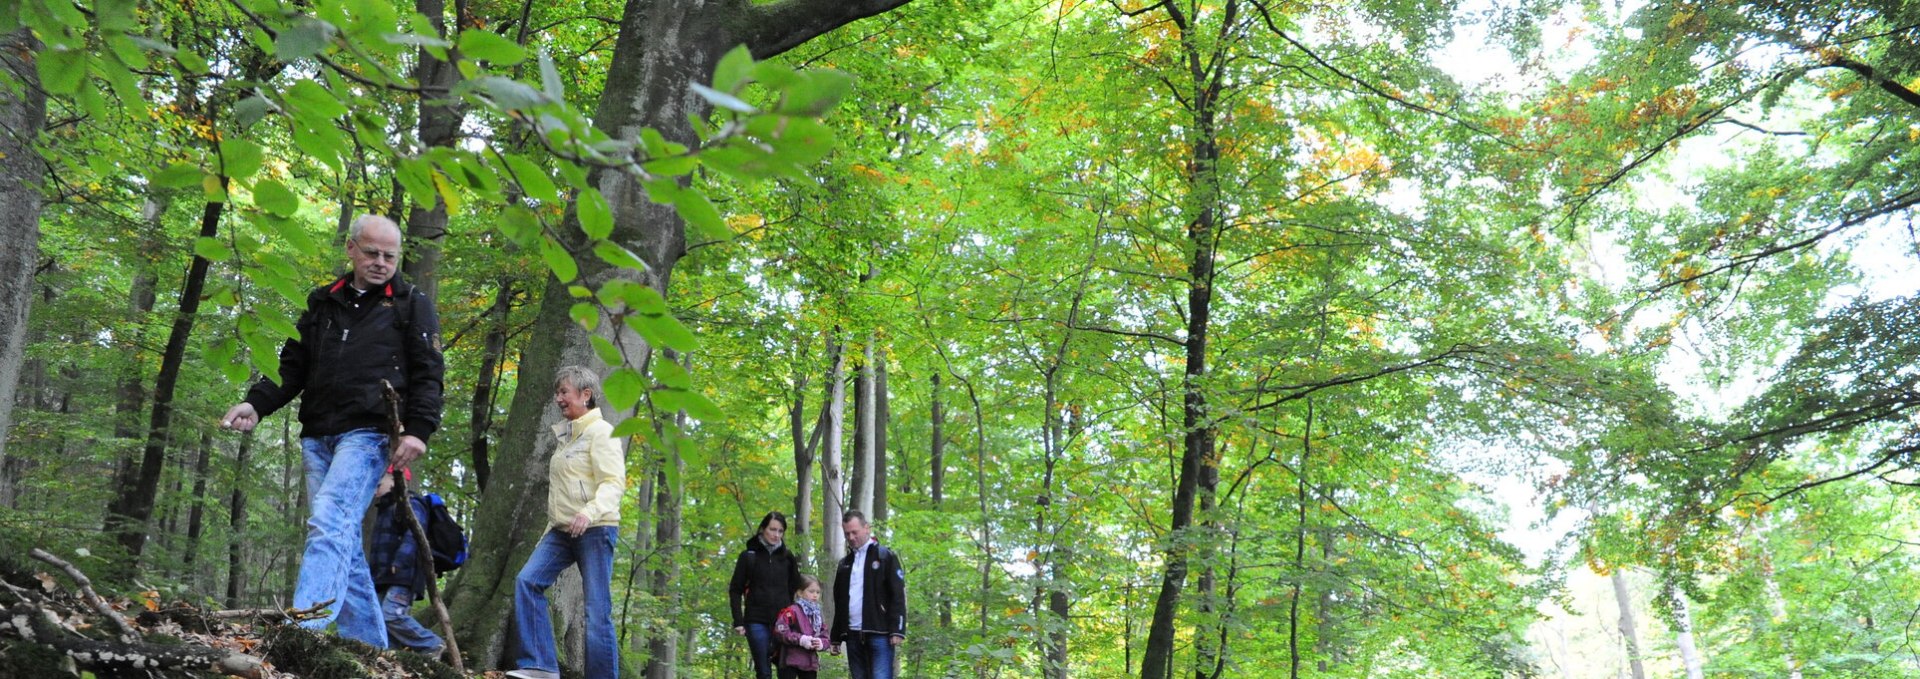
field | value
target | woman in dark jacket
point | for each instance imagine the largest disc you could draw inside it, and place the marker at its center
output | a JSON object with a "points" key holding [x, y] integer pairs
{"points": [[764, 579]]}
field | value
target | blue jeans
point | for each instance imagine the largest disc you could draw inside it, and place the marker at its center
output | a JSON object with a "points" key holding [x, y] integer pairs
{"points": [[593, 551], [342, 471], [402, 630], [760, 646], [870, 656]]}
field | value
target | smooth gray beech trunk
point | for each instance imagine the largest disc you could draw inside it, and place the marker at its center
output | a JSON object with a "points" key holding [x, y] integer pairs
{"points": [[662, 47], [1628, 631], [23, 110]]}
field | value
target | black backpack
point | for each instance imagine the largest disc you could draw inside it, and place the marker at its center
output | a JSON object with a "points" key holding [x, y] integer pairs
{"points": [[445, 537]]}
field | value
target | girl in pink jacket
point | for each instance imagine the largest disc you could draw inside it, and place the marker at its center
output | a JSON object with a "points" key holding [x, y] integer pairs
{"points": [[801, 632]]}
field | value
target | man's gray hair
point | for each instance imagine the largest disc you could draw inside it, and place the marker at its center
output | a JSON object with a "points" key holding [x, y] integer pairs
{"points": [[581, 379], [361, 223]]}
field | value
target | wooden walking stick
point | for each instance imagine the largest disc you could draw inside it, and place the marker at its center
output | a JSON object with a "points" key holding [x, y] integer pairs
{"points": [[422, 548]]}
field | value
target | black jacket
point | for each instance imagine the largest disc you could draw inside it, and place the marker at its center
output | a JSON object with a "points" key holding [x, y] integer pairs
{"points": [[346, 347], [884, 594], [764, 581]]}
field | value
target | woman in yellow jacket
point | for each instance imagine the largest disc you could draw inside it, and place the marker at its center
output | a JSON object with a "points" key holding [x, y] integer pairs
{"points": [[585, 479]]}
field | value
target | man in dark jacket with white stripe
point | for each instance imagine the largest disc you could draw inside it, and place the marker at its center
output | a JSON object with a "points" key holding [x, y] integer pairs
{"points": [[869, 602]]}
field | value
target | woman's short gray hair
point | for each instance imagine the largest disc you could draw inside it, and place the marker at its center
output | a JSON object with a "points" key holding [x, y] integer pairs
{"points": [[581, 379]]}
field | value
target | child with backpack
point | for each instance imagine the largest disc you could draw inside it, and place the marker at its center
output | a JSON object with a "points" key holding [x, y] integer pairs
{"points": [[397, 576], [801, 632]]}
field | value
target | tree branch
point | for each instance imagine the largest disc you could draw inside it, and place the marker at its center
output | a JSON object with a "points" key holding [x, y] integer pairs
{"points": [[776, 27]]}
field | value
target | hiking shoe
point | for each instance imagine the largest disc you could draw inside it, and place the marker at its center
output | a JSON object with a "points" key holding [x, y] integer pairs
{"points": [[531, 673]]}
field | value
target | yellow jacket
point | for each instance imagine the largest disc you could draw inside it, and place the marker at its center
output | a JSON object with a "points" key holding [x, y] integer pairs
{"points": [[587, 473]]}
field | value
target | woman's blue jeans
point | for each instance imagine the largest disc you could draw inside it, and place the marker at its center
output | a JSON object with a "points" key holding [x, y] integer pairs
{"points": [[760, 645], [593, 552]]}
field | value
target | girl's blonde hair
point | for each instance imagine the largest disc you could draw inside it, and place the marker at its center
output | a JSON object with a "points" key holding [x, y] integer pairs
{"points": [[805, 582]]}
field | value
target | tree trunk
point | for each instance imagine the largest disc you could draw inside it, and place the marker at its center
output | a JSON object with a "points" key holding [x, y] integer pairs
{"points": [[21, 170], [237, 523], [937, 449], [664, 649], [936, 483], [131, 527], [133, 393], [1627, 628], [834, 543], [1776, 604], [1202, 232], [440, 116], [1683, 631], [881, 417], [863, 439], [196, 517], [492, 355]]}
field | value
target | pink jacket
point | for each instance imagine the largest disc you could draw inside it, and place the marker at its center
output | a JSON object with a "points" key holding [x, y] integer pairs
{"points": [[789, 626]]}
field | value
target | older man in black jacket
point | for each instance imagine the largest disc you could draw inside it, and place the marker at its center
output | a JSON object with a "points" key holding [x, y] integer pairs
{"points": [[869, 602], [366, 326]]}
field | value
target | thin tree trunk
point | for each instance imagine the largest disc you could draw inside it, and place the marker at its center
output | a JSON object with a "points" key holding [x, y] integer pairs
{"points": [[664, 651], [863, 419], [1300, 502], [492, 355], [880, 421], [131, 528], [1202, 233], [1628, 633], [1683, 631], [937, 449], [196, 517], [133, 394], [21, 171], [936, 483], [1776, 605], [834, 542], [440, 115], [237, 523]]}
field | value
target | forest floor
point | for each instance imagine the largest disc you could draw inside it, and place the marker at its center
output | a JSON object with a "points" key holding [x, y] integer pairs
{"points": [[53, 624]]}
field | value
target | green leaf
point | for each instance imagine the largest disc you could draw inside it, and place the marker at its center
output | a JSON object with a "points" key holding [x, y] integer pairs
{"points": [[729, 74], [178, 176], [722, 99], [550, 79], [275, 198], [817, 93], [212, 249], [559, 260], [584, 314], [126, 51], [702, 408], [239, 158], [604, 348], [506, 93], [321, 143], [672, 334], [250, 110], [700, 213], [520, 225], [310, 102], [612, 253], [212, 189], [671, 166], [630, 427], [305, 38], [623, 388], [277, 321], [486, 45], [596, 217], [532, 179], [191, 61], [61, 70], [416, 177], [669, 373]]}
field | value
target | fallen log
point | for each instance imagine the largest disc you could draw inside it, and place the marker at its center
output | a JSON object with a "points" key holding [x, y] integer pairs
{"points": [[37, 625]]}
